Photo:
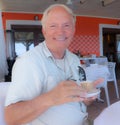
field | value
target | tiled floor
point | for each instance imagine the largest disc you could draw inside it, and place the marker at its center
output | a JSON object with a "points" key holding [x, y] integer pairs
{"points": [[95, 108]]}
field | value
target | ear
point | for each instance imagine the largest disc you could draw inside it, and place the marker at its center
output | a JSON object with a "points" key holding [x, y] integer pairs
{"points": [[74, 30], [43, 31]]}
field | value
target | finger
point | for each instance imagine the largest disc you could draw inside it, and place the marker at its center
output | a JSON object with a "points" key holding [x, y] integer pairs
{"points": [[76, 91], [72, 89], [70, 82], [98, 81], [75, 99], [95, 97], [91, 99]]}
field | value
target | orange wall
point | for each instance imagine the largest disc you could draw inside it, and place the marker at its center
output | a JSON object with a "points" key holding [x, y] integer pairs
{"points": [[86, 38], [90, 25], [87, 34], [18, 16]]}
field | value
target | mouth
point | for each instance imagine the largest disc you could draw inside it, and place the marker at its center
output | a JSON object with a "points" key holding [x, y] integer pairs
{"points": [[60, 38]]}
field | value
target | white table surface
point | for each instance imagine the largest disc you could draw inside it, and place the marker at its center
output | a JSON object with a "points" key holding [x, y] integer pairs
{"points": [[98, 60], [109, 116], [95, 71]]}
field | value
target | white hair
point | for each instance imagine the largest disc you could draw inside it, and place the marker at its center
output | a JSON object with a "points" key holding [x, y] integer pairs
{"points": [[45, 14]]}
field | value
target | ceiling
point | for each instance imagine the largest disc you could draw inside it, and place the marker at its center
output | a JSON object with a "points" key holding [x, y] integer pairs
{"points": [[88, 8]]}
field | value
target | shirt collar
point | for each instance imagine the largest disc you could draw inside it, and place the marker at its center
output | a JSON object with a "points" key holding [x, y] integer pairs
{"points": [[46, 50], [48, 53]]}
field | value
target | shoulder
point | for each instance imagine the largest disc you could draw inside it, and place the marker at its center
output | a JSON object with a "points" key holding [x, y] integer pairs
{"points": [[32, 54]]}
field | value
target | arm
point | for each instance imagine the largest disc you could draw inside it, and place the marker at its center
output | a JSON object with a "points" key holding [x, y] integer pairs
{"points": [[24, 112]]}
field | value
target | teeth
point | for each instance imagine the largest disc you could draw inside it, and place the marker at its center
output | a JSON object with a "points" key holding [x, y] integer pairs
{"points": [[61, 38]]}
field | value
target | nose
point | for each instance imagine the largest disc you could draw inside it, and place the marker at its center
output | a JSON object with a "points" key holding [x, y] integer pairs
{"points": [[60, 30]]}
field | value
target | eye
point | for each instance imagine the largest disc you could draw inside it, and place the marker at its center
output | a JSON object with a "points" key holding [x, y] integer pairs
{"points": [[67, 25], [53, 26]]}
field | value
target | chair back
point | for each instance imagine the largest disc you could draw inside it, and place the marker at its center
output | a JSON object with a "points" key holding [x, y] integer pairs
{"points": [[82, 75], [3, 92], [111, 67]]}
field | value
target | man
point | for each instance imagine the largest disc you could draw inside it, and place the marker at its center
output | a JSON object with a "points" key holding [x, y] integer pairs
{"points": [[43, 90]]}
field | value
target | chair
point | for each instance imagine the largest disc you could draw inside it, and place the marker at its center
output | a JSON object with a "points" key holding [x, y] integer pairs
{"points": [[94, 72], [104, 85], [3, 91], [82, 75], [111, 78]]}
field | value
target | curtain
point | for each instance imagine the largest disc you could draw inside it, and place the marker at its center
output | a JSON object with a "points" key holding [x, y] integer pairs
{"points": [[3, 61]]}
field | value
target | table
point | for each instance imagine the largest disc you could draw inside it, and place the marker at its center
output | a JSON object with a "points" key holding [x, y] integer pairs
{"points": [[98, 60], [109, 116], [95, 71]]}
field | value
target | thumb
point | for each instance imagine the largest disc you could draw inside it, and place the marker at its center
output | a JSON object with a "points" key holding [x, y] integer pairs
{"points": [[98, 81]]}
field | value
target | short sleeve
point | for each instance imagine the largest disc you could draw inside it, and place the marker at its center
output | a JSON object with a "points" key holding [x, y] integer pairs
{"points": [[26, 81]]}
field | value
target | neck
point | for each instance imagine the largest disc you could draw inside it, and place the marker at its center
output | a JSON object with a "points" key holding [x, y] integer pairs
{"points": [[58, 54]]}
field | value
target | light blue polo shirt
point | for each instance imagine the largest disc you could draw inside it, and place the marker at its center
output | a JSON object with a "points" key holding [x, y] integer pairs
{"points": [[37, 72]]}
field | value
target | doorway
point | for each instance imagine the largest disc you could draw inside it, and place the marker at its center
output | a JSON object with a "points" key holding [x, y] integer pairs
{"points": [[21, 35], [110, 45], [10, 34], [25, 37]]}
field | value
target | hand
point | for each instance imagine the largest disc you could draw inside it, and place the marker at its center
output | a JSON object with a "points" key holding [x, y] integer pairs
{"points": [[88, 101], [66, 91]]}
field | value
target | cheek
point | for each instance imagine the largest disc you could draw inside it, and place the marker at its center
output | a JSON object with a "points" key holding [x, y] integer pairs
{"points": [[48, 35], [71, 32], [71, 35]]}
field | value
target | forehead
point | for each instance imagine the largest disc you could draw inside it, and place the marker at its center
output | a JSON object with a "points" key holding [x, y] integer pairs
{"points": [[61, 13]]}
